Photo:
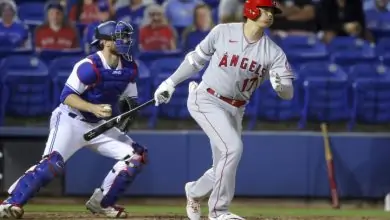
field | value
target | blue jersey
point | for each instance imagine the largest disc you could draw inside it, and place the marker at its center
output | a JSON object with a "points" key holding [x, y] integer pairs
{"points": [[95, 82], [134, 17], [13, 36]]}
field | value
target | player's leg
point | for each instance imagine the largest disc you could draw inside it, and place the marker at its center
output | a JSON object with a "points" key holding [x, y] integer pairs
{"points": [[202, 187], [218, 122], [199, 189], [131, 158], [61, 144]]}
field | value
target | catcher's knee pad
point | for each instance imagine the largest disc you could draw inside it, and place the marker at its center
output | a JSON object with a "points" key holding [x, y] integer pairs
{"points": [[36, 177], [142, 151], [125, 172]]}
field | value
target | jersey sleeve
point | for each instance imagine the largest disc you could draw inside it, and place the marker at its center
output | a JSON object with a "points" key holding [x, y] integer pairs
{"points": [[206, 47], [82, 76], [281, 66]]}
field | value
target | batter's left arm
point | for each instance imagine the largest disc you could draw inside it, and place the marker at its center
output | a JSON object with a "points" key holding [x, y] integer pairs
{"points": [[281, 76]]}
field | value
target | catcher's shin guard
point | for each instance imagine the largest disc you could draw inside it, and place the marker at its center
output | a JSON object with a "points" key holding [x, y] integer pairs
{"points": [[34, 178], [121, 177]]}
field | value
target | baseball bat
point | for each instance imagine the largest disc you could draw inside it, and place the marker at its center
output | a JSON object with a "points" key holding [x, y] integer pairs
{"points": [[98, 130], [330, 167]]}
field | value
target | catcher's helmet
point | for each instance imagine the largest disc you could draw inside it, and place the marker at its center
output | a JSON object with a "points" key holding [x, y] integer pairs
{"points": [[120, 32], [252, 11]]}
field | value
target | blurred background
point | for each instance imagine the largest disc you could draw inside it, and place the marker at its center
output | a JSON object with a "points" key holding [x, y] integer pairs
{"points": [[338, 49]]}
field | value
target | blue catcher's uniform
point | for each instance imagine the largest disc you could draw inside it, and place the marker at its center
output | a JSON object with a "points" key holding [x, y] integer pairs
{"points": [[94, 81], [97, 83]]}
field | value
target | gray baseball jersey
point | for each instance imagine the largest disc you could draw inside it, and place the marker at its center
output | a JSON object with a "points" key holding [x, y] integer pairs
{"points": [[235, 70], [237, 67]]}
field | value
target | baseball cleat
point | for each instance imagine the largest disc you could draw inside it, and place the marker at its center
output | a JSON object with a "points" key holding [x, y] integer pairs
{"points": [[93, 205], [11, 211], [193, 206], [227, 216]]}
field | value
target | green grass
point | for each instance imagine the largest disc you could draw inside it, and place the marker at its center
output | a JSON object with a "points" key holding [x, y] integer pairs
{"points": [[241, 210]]}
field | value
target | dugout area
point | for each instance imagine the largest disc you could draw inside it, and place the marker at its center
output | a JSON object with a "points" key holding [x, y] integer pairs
{"points": [[174, 208]]}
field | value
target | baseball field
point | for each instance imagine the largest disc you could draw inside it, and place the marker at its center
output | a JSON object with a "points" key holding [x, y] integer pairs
{"points": [[158, 208]]}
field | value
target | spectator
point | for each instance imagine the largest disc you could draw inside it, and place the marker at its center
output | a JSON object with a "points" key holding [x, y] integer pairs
{"points": [[179, 12], [230, 11], [56, 33], [373, 4], [156, 33], [202, 25], [84, 12], [89, 31], [378, 17], [298, 18], [13, 33], [132, 13], [343, 18]]}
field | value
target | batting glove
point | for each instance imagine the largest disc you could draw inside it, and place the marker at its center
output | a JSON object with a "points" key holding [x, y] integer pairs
{"points": [[166, 86], [276, 82]]}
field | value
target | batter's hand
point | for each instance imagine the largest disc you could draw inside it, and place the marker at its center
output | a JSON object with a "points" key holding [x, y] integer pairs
{"points": [[101, 110], [276, 82], [166, 86]]}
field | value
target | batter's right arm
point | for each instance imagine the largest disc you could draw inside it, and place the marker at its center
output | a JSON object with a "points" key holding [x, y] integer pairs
{"points": [[82, 76]]}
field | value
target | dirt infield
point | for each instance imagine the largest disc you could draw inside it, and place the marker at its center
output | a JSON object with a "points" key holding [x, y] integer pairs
{"points": [[179, 203], [70, 215]]}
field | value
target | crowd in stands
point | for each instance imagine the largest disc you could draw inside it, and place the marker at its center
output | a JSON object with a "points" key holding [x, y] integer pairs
{"points": [[179, 24], [343, 39]]}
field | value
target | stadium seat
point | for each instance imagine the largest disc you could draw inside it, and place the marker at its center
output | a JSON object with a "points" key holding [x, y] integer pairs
{"points": [[342, 44], [383, 46], [362, 70], [303, 49], [292, 42], [269, 106], [371, 101], [144, 86], [164, 65], [386, 59], [48, 55], [4, 52], [149, 57], [177, 108], [299, 58], [320, 69], [28, 86], [325, 98], [3, 101], [59, 71], [346, 59], [32, 12], [214, 14]]}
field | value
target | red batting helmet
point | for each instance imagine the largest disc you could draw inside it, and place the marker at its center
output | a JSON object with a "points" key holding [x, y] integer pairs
{"points": [[252, 11]]}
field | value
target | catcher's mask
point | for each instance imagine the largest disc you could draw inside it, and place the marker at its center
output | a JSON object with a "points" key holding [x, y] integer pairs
{"points": [[123, 37], [119, 32]]}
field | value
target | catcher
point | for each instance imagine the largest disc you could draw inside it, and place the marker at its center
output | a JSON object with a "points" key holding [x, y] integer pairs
{"points": [[100, 78]]}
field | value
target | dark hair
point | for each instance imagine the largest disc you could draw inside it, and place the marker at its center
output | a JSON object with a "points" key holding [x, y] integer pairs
{"points": [[197, 7]]}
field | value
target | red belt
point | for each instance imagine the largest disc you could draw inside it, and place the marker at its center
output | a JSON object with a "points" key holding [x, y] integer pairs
{"points": [[233, 102]]}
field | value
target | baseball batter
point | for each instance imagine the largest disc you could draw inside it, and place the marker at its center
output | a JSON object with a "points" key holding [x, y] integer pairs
{"points": [[241, 58], [90, 95]]}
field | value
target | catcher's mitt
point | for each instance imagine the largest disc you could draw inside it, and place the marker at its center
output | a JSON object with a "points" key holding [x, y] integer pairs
{"points": [[125, 105]]}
